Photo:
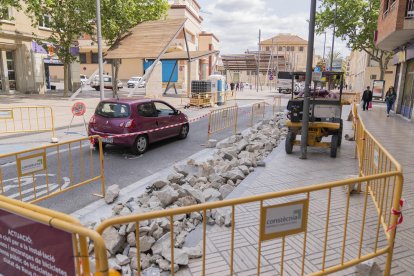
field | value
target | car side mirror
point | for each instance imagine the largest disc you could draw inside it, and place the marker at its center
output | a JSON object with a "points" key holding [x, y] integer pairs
{"points": [[177, 112]]}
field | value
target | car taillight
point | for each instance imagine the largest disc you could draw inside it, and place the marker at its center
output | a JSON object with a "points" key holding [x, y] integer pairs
{"points": [[129, 124], [92, 121]]}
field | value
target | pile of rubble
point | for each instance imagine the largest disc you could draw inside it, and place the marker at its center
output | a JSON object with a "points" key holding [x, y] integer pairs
{"points": [[190, 184]]}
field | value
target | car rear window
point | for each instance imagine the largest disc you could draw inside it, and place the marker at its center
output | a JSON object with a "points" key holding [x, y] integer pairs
{"points": [[113, 110]]}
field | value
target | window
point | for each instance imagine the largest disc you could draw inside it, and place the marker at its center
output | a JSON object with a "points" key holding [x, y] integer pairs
{"points": [[267, 48], [301, 48], [82, 58], [147, 110], [112, 110], [280, 48], [45, 21], [373, 77], [95, 58], [6, 14], [163, 110]]}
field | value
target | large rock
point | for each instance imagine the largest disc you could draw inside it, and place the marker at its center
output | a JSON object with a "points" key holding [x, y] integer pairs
{"points": [[193, 252], [176, 178], [113, 240], [122, 260], [160, 184], [225, 190], [166, 265], [187, 201], [186, 169], [234, 175], [211, 143], [198, 195], [180, 256], [159, 245], [242, 145], [145, 243], [167, 196], [368, 268], [211, 193], [112, 193]]}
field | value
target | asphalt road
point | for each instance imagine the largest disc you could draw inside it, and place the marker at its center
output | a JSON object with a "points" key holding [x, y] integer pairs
{"points": [[79, 163]]}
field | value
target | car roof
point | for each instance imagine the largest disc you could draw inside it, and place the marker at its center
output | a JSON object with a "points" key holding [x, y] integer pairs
{"points": [[128, 100]]}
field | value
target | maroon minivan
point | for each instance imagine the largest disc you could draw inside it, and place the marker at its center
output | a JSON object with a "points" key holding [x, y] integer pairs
{"points": [[124, 116]]}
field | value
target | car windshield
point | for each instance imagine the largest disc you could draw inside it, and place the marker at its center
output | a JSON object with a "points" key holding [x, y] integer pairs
{"points": [[135, 79], [113, 110]]}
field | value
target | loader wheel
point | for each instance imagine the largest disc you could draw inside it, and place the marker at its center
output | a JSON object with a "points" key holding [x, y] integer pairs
{"points": [[290, 138]]}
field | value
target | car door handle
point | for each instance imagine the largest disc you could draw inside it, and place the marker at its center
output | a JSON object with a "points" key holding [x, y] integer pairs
{"points": [[156, 122]]}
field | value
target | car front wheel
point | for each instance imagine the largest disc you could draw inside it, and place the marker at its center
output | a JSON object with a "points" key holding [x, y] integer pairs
{"points": [[140, 145]]}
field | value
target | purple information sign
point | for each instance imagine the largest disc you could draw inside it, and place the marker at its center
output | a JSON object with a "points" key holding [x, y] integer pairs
{"points": [[31, 248]]}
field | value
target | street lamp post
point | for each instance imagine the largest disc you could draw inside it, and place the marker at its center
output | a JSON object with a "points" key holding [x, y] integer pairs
{"points": [[306, 101], [100, 59]]}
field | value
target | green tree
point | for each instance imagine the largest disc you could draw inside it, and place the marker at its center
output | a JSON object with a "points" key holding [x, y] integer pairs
{"points": [[67, 20], [356, 22], [119, 16]]}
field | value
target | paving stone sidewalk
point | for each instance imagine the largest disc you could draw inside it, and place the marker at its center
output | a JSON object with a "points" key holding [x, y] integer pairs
{"points": [[284, 172]]}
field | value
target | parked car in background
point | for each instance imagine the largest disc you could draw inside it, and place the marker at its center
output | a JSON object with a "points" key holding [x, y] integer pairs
{"points": [[113, 117], [83, 79], [107, 82], [133, 81]]}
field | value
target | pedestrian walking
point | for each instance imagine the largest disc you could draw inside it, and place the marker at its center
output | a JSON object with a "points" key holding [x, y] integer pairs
{"points": [[241, 87], [232, 87], [390, 98], [237, 86], [367, 98]]}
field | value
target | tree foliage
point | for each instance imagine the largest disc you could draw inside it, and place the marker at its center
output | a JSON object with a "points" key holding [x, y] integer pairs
{"points": [[119, 16], [356, 23], [4, 5]]}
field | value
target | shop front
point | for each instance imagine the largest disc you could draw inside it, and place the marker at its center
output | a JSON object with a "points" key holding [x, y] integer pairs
{"points": [[407, 97]]}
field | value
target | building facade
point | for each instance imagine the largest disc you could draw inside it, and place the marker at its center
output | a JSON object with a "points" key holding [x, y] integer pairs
{"points": [[292, 47], [396, 33], [24, 64], [362, 71]]}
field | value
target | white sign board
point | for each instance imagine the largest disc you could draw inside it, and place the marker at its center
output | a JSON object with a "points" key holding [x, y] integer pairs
{"points": [[30, 164], [283, 219]]}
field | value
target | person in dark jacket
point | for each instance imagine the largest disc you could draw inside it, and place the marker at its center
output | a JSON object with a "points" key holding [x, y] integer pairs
{"points": [[390, 98], [366, 98]]}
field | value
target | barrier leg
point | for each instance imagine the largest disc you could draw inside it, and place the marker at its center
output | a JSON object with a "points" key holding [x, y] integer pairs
{"points": [[397, 207]]}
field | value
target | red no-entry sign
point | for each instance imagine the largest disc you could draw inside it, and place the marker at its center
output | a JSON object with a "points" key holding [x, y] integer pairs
{"points": [[78, 109]]}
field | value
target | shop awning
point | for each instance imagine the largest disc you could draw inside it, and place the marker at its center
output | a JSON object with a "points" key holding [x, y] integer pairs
{"points": [[147, 39]]}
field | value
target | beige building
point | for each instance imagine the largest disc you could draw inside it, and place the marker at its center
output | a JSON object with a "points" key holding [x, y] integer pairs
{"points": [[362, 71], [291, 46], [196, 38], [24, 63]]}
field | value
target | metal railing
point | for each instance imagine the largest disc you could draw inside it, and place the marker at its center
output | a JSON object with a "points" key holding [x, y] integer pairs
{"points": [[37, 174], [336, 219], [258, 111], [21, 119], [221, 119]]}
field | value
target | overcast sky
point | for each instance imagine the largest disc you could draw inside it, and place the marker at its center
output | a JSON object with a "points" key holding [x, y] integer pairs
{"points": [[237, 22]]}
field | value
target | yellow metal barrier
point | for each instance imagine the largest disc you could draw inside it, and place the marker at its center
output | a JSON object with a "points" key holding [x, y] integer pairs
{"points": [[56, 221], [20, 119], [337, 220], [221, 119], [37, 174], [258, 110], [277, 104], [230, 95]]}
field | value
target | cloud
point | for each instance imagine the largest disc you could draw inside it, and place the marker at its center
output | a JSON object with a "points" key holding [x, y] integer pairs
{"points": [[237, 22]]}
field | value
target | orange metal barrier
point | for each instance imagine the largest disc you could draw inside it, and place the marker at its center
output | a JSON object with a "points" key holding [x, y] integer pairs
{"points": [[221, 119], [258, 110]]}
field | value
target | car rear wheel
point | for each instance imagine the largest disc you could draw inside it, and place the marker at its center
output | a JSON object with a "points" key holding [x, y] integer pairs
{"points": [[184, 131], [96, 145], [140, 145]]}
